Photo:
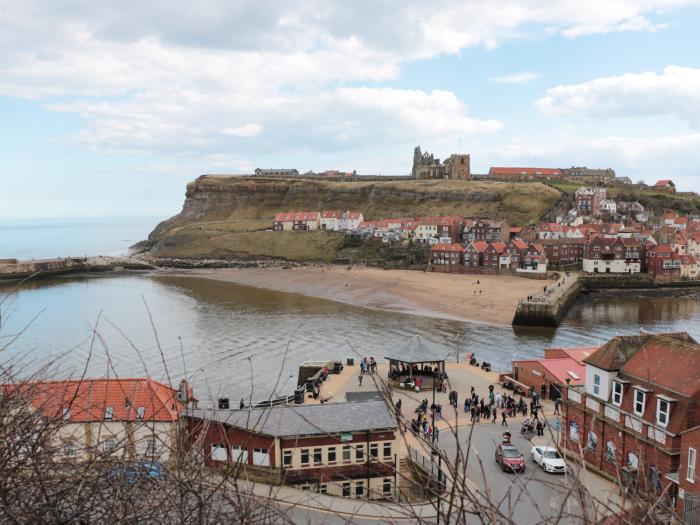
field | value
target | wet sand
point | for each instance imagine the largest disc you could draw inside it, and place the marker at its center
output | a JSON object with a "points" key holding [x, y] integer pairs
{"points": [[493, 300]]}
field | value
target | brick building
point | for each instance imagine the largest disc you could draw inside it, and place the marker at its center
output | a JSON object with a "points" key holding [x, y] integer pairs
{"points": [[640, 401], [474, 254], [486, 230], [513, 253], [492, 255], [447, 257], [344, 449], [588, 201], [612, 255], [563, 252]]}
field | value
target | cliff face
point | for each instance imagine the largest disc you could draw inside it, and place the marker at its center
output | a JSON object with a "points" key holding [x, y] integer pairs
{"points": [[227, 215]]}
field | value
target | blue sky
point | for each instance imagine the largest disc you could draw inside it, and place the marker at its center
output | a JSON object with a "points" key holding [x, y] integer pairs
{"points": [[108, 111]]}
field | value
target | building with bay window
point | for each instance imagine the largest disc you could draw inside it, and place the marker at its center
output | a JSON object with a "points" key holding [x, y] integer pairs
{"points": [[637, 418], [343, 449]]}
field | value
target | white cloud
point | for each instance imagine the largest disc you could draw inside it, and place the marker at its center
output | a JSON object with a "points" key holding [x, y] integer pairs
{"points": [[516, 78], [675, 91], [247, 130]]}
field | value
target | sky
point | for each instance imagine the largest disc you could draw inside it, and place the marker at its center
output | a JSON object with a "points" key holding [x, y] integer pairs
{"points": [[109, 108]]}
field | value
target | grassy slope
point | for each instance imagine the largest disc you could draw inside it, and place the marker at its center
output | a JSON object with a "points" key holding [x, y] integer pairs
{"points": [[235, 226]]}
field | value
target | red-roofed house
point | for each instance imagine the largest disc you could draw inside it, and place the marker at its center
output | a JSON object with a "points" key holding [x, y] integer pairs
{"points": [[283, 222], [446, 257], [474, 254], [486, 230], [666, 185], [578, 354], [330, 220], [512, 256], [612, 255], [549, 375], [350, 220], [307, 220], [534, 259], [640, 400], [493, 253], [135, 418]]}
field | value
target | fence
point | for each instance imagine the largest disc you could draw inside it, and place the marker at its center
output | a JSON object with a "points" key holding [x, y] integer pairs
{"points": [[433, 473]]}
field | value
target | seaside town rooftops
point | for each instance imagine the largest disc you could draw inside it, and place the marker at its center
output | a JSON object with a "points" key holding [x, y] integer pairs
{"points": [[578, 354], [663, 183], [479, 246], [519, 244], [499, 246], [616, 352], [102, 399], [446, 247], [305, 420], [336, 214]]}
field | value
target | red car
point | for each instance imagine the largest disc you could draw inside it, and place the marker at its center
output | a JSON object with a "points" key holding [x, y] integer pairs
{"points": [[510, 458]]}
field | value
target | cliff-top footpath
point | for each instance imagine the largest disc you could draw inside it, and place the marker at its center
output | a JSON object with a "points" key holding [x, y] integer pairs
{"points": [[447, 296]]}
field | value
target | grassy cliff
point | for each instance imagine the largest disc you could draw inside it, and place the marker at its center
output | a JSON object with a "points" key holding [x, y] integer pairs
{"points": [[228, 216]]}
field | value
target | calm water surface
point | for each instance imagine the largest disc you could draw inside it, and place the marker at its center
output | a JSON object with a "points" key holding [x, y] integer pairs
{"points": [[48, 238], [216, 333]]}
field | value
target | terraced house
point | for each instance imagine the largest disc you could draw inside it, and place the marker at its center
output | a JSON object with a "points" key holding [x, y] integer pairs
{"points": [[343, 449], [637, 417]]}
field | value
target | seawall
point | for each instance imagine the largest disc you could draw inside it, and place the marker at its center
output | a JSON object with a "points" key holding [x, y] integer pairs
{"points": [[547, 311], [13, 270]]}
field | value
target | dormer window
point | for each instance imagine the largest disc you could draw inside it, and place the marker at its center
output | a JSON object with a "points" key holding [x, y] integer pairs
{"points": [[640, 399], [66, 414], [109, 413], [618, 391], [596, 385], [663, 410]]}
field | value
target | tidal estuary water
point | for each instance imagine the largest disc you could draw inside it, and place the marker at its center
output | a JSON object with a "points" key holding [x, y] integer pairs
{"points": [[227, 338]]}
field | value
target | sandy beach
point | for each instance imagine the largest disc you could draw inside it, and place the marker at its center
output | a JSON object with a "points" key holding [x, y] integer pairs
{"points": [[493, 300]]}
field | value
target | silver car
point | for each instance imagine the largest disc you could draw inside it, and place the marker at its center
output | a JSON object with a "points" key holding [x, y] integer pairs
{"points": [[549, 459]]}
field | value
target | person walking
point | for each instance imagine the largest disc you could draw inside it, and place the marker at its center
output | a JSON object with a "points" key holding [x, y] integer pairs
{"points": [[557, 406], [503, 416], [494, 414], [359, 378], [436, 434], [466, 405]]}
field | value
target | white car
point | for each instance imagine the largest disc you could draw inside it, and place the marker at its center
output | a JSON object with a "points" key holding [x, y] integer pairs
{"points": [[549, 459]]}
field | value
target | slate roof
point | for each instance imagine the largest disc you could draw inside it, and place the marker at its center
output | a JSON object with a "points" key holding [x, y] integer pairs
{"points": [[305, 420], [616, 352]]}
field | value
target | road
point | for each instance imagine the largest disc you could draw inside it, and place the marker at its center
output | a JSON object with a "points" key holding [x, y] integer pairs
{"points": [[530, 497]]}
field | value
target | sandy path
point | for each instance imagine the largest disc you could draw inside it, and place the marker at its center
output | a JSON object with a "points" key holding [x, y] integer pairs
{"points": [[449, 296]]}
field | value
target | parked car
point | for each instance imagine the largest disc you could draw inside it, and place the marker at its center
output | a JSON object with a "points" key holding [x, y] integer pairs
{"points": [[138, 471], [549, 459], [510, 458]]}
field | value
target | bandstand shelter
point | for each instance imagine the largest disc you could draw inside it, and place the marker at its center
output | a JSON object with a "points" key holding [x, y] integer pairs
{"points": [[412, 358]]}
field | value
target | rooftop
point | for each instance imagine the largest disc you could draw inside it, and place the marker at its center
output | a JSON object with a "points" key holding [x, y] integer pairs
{"points": [[305, 420]]}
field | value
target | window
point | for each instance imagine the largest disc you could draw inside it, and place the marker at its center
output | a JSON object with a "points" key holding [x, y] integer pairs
{"points": [[109, 412], [573, 431], [359, 453], [639, 402], [610, 451], [304, 456], [387, 450], [374, 450], [151, 447], [69, 449], [596, 384], [346, 489], [331, 455], [318, 456], [690, 473], [239, 454], [261, 457], [287, 458], [617, 393], [108, 445], [140, 412], [218, 452], [359, 489], [663, 407], [592, 444], [323, 488], [386, 486], [66, 414], [346, 453]]}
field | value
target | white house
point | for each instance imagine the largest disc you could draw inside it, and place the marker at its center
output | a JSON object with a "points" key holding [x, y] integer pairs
{"points": [[350, 220]]}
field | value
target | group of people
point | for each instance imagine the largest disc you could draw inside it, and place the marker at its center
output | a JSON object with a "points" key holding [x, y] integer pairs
{"points": [[368, 365], [420, 425]]}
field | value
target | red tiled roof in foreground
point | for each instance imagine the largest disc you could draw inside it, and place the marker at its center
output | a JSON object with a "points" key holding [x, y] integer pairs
{"points": [[88, 399], [578, 353], [564, 368]]}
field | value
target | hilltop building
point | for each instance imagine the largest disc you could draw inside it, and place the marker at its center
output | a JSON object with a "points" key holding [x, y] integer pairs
{"points": [[278, 172], [589, 175], [503, 173], [426, 166]]}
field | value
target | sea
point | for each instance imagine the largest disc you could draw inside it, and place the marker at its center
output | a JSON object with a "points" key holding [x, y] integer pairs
{"points": [[236, 341]]}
